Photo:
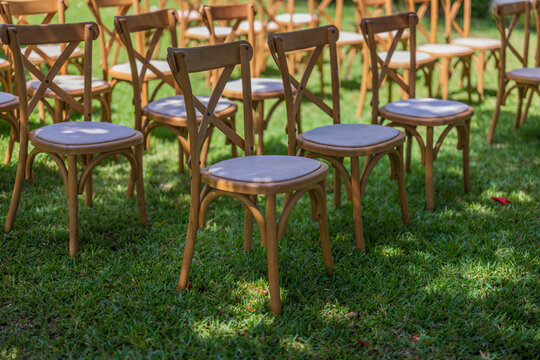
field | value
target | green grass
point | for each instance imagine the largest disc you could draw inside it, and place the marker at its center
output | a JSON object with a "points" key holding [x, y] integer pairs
{"points": [[458, 282]]}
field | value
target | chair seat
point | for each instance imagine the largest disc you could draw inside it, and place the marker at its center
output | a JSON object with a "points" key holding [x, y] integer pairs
{"points": [[123, 71], [189, 15], [349, 38], [426, 108], [478, 43], [4, 64], [402, 59], [298, 19], [175, 107], [525, 75], [258, 26], [83, 133], [7, 98], [203, 32], [72, 84], [445, 50], [260, 88], [52, 51], [350, 135], [264, 168]]}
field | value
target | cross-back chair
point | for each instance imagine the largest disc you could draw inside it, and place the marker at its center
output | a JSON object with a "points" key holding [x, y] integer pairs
{"points": [[243, 177], [449, 56], [485, 48], [188, 13], [86, 141], [400, 59], [9, 103], [412, 113], [168, 112], [17, 12], [339, 140], [525, 79]]}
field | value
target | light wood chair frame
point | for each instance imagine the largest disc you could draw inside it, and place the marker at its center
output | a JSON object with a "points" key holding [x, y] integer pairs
{"points": [[71, 35], [228, 56], [428, 147], [526, 89], [355, 181]]}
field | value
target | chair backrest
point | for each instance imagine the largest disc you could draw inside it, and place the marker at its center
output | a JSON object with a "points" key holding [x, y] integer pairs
{"points": [[71, 35], [373, 8], [226, 56], [373, 26], [315, 39], [274, 7], [108, 40], [451, 13], [16, 12], [421, 8], [515, 11]]}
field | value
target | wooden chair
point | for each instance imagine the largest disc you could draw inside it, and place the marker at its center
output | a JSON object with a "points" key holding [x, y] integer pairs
{"points": [[262, 89], [525, 79], [400, 59], [90, 141], [9, 103], [413, 113], [486, 48], [337, 141], [243, 178], [17, 12], [450, 56], [188, 13], [6, 76], [168, 112]]}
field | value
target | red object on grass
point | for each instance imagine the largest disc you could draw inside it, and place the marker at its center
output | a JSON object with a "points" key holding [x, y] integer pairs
{"points": [[363, 343], [501, 200]]}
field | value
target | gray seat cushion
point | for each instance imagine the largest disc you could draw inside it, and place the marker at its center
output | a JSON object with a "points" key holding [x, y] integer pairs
{"points": [[176, 106], [53, 51], [83, 132], [444, 49], [6, 97], [526, 74], [68, 83], [478, 43], [426, 108], [220, 31], [125, 68], [264, 168], [258, 85], [350, 135]]}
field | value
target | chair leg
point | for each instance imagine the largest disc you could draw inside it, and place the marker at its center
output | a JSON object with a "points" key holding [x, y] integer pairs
{"points": [[337, 188], [88, 186], [17, 188], [364, 85], [402, 188], [467, 63], [526, 110], [323, 228], [11, 145], [272, 253], [430, 202], [481, 66], [180, 158], [357, 205], [522, 93], [140, 186], [190, 241], [408, 151], [73, 205], [466, 151], [445, 68], [258, 116], [248, 230], [500, 95]]}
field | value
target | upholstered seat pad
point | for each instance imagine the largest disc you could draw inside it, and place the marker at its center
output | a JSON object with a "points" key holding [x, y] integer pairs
{"points": [[220, 31], [258, 85], [258, 26], [426, 108], [297, 18], [6, 97], [349, 37], [350, 135], [3, 61], [176, 106], [68, 83], [125, 68], [83, 132], [444, 49], [404, 57], [526, 74], [264, 168], [478, 43], [53, 51]]}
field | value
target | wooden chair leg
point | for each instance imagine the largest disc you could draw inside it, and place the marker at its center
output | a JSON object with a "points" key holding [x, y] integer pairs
{"points": [[272, 253], [522, 93], [337, 188], [445, 68], [466, 160], [500, 95], [234, 150], [248, 230], [58, 111], [180, 157], [17, 188], [88, 186], [41, 112], [402, 188], [73, 205], [258, 117], [408, 151], [527, 106], [480, 67], [357, 205], [363, 85], [140, 186], [190, 241], [11, 145], [468, 64], [430, 202], [323, 229]]}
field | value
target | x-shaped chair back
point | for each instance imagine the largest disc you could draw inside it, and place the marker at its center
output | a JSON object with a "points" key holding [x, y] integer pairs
{"points": [[271, 10], [16, 12], [514, 11], [421, 10], [314, 40], [71, 35], [380, 68], [451, 12], [111, 44], [207, 58]]}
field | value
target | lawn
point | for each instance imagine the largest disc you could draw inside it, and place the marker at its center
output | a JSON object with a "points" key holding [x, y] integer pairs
{"points": [[458, 282]]}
